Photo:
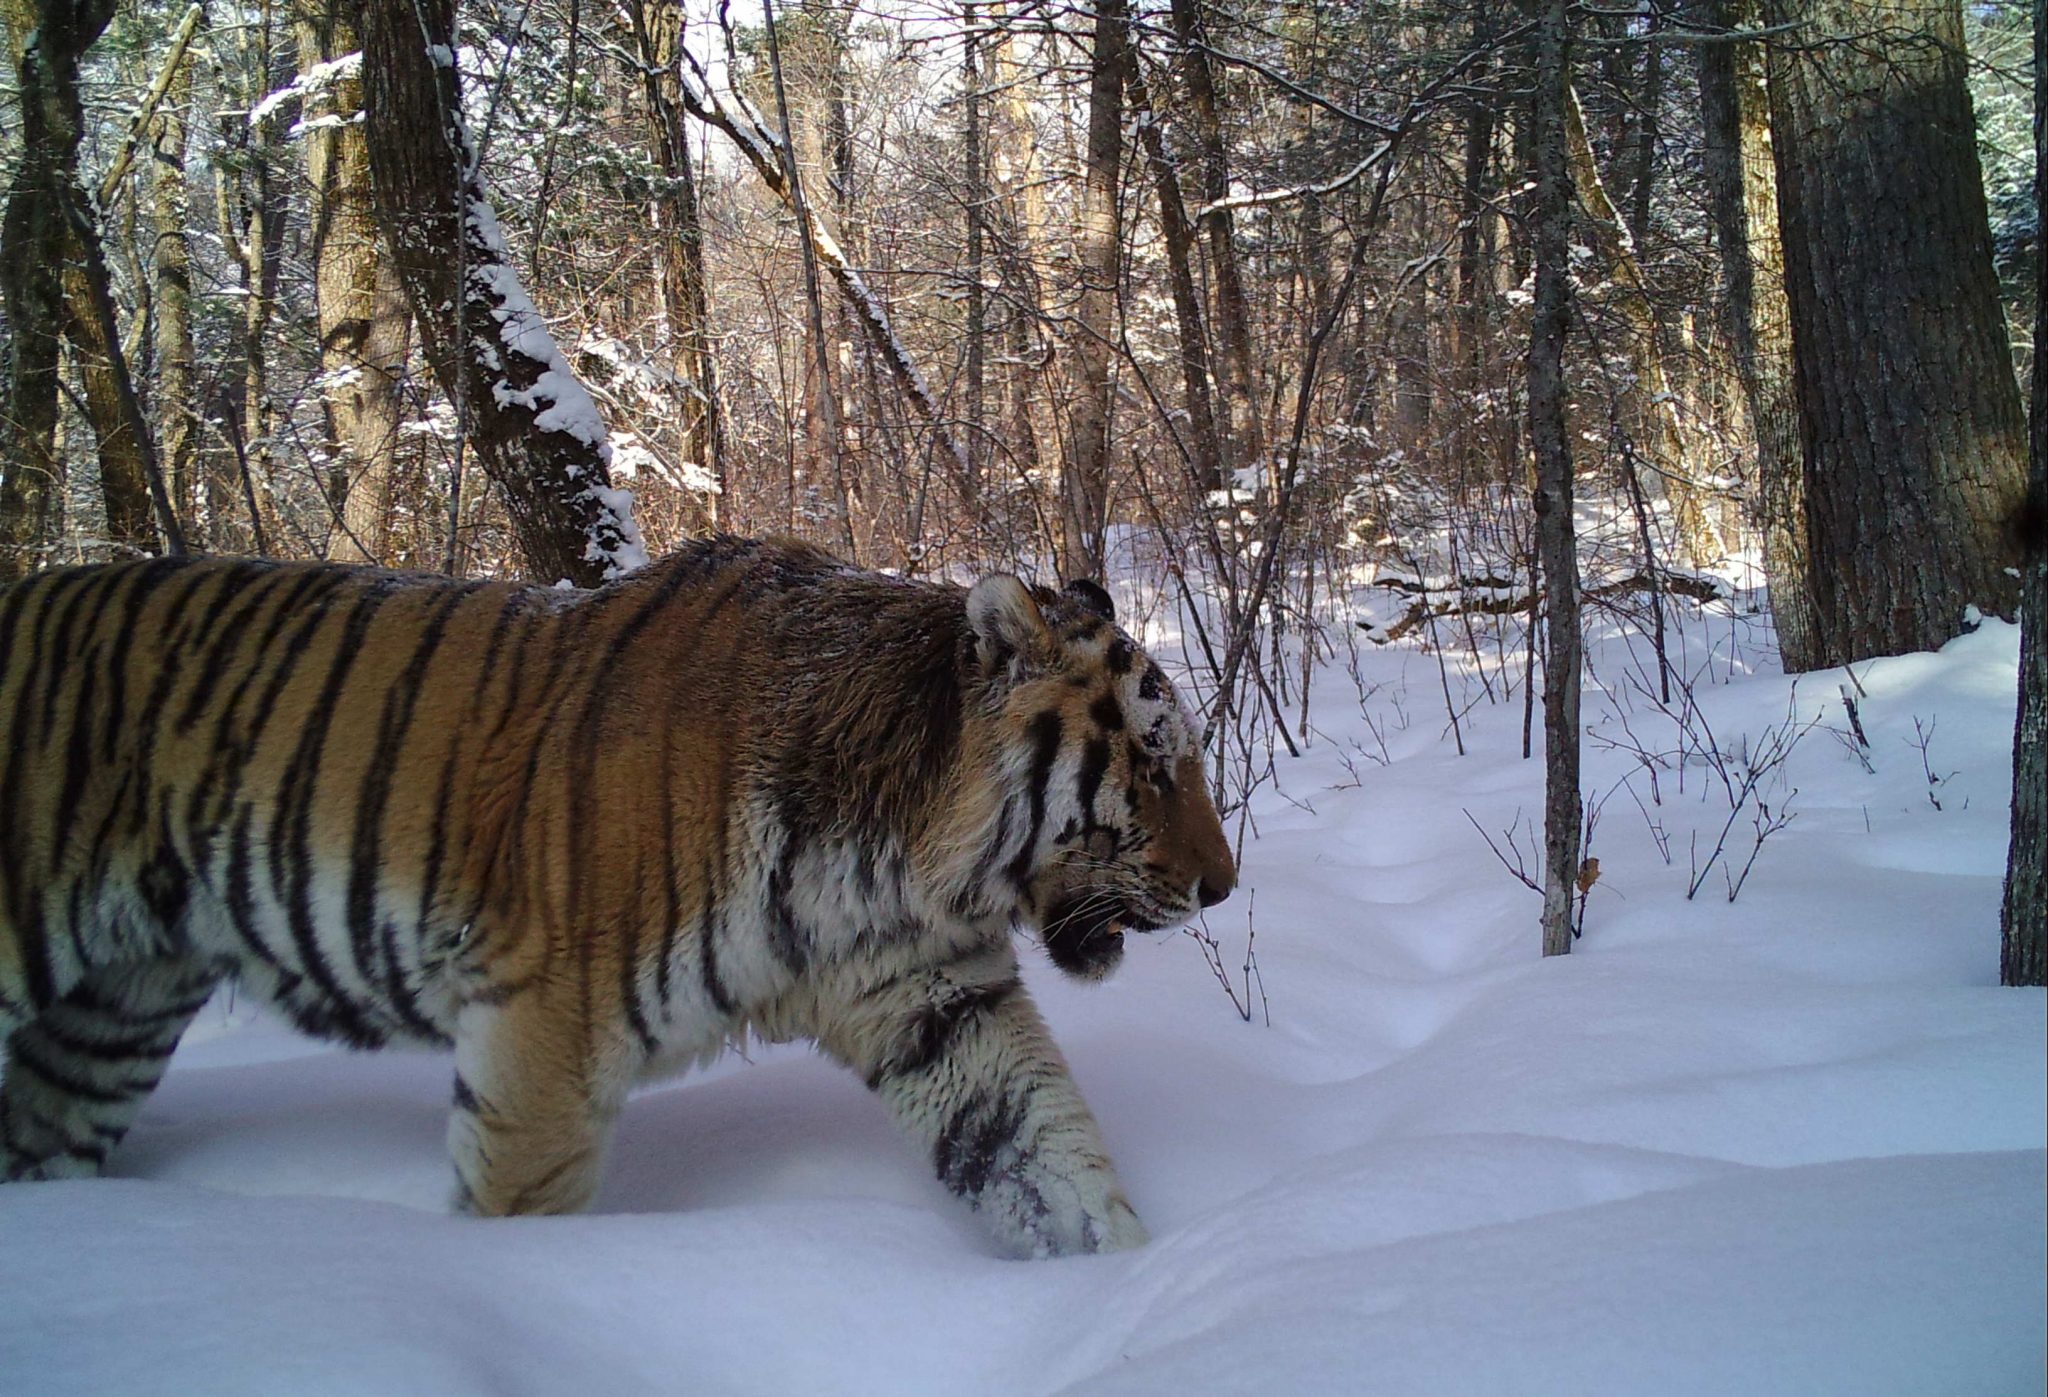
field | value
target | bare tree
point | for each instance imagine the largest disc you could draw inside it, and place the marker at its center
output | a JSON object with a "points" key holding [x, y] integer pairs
{"points": [[1549, 106], [1084, 494]]}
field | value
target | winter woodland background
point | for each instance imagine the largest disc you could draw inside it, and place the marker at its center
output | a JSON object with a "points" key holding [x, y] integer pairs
{"points": [[1441, 386]]}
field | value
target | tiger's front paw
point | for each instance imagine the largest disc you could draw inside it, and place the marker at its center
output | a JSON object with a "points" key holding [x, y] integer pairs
{"points": [[1039, 1213]]}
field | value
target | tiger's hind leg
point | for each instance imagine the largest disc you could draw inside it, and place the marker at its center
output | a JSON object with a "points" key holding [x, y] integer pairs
{"points": [[77, 1072]]}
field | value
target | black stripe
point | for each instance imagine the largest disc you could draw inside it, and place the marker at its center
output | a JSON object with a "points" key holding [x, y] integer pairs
{"points": [[147, 579], [1094, 765], [21, 1053], [707, 947], [786, 937], [77, 766], [291, 851], [935, 1028], [60, 661], [516, 603], [365, 858], [232, 750], [142, 1047], [1045, 749], [230, 628], [240, 897], [965, 1152]]}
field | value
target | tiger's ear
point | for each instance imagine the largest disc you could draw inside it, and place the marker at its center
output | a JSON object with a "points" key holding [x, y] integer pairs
{"points": [[1093, 597], [1008, 625]]}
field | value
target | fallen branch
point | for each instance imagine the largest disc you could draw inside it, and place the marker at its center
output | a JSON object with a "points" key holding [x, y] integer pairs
{"points": [[1493, 596]]}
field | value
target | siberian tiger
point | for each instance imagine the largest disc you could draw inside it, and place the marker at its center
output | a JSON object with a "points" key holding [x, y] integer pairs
{"points": [[579, 836]]}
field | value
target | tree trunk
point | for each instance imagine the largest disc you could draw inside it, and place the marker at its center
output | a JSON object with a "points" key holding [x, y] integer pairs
{"points": [[365, 325], [1244, 428], [1650, 408], [685, 289], [973, 127], [1557, 544], [1742, 190], [1084, 491], [177, 413], [533, 426], [1178, 236], [1909, 411], [2023, 953], [35, 239]]}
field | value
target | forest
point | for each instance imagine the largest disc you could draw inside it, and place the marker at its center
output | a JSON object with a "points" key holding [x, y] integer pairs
{"points": [[1286, 296], [1518, 425]]}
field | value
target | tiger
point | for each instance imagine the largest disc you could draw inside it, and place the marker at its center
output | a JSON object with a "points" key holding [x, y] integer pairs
{"points": [[748, 793]]}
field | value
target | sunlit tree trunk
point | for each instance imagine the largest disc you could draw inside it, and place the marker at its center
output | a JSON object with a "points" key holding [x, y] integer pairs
{"points": [[1238, 380], [1742, 187], [36, 240], [685, 295], [365, 325], [1084, 496], [1910, 415]]}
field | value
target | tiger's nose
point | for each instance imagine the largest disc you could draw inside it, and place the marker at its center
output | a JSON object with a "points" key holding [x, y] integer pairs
{"points": [[1210, 893]]}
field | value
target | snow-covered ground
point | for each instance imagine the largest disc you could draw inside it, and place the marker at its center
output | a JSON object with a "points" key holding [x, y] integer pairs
{"points": [[1788, 1144]]}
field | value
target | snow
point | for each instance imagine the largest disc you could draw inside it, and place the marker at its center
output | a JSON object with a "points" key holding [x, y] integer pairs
{"points": [[1792, 1143]]}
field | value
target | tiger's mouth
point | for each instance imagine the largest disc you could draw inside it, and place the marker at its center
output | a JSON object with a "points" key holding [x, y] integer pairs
{"points": [[1085, 935]]}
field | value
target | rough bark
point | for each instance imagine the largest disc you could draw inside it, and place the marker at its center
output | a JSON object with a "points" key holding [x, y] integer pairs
{"points": [[685, 294], [1084, 493], [365, 324], [1557, 546], [2023, 952], [531, 424], [1742, 191], [816, 132], [1909, 412], [124, 472], [35, 238]]}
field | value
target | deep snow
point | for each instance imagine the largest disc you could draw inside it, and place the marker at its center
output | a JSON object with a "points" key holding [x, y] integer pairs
{"points": [[1792, 1144]]}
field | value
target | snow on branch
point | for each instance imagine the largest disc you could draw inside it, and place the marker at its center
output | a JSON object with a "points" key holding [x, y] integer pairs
{"points": [[733, 115]]}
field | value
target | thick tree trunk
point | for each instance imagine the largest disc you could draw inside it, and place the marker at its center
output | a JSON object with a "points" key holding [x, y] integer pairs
{"points": [[2023, 955], [1084, 494], [365, 324], [1909, 411], [685, 289], [531, 423], [1556, 540], [1742, 189], [35, 240]]}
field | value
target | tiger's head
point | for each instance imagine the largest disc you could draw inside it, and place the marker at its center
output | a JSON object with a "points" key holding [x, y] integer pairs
{"points": [[1106, 824]]}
